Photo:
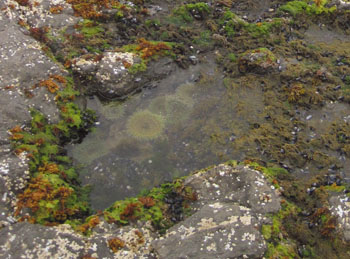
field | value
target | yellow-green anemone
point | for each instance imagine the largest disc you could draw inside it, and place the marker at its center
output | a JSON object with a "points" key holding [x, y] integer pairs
{"points": [[145, 125]]}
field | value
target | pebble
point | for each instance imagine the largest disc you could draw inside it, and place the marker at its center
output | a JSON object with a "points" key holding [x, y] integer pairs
{"points": [[337, 88]]}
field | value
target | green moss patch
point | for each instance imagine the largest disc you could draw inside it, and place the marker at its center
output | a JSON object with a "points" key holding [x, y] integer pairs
{"points": [[153, 205], [53, 193], [303, 7], [185, 13]]}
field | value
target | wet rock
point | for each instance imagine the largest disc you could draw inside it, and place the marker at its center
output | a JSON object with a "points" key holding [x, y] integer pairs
{"points": [[340, 207], [231, 205], [260, 61]]}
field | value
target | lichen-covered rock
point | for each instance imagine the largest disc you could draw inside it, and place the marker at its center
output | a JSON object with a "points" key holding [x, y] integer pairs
{"points": [[231, 207], [235, 184], [24, 240], [260, 61], [44, 13], [109, 241], [218, 230], [340, 207], [23, 66], [14, 174], [109, 74]]}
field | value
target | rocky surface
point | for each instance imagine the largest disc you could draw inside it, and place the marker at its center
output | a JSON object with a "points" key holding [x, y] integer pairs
{"points": [[24, 65], [231, 207], [110, 73], [24, 240], [232, 204]]}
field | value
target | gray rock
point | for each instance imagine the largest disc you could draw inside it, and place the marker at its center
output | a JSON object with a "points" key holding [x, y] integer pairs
{"points": [[23, 65], [340, 207], [231, 207], [109, 76], [341, 5], [218, 230], [24, 240], [40, 15], [235, 184]]}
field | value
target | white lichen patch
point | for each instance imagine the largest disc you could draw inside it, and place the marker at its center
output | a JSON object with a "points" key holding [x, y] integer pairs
{"points": [[206, 224], [340, 207], [38, 12], [211, 247]]}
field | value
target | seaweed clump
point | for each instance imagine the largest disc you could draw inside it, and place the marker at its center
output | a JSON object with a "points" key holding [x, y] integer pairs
{"points": [[299, 7], [53, 194], [91, 9], [147, 50], [163, 206], [305, 226], [187, 12], [145, 125]]}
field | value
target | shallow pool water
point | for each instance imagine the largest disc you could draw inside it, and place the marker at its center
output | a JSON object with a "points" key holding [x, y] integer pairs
{"points": [[186, 123]]}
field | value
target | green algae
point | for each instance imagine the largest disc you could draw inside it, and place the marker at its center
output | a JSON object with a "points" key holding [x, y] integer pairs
{"points": [[233, 24], [303, 7], [184, 12], [53, 193], [146, 51], [90, 28], [150, 206]]}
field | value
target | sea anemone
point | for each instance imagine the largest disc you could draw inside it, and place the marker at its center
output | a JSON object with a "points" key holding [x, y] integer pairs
{"points": [[158, 105], [145, 125], [176, 110], [185, 93], [170, 107]]}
